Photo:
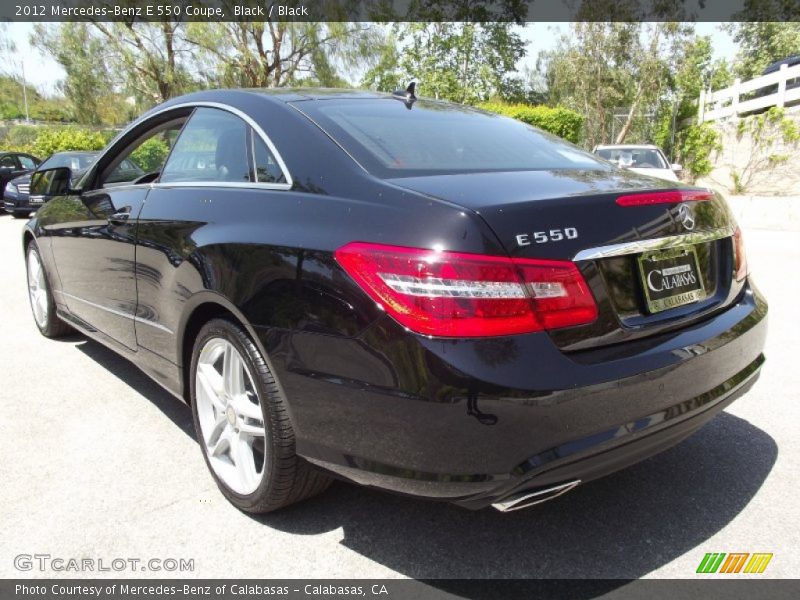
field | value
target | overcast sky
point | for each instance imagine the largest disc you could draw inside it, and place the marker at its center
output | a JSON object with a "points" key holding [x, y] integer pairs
{"points": [[43, 72]]}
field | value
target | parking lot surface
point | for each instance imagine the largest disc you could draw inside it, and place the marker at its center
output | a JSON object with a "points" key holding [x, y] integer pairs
{"points": [[100, 462]]}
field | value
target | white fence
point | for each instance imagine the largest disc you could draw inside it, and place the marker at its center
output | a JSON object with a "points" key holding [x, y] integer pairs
{"points": [[742, 97]]}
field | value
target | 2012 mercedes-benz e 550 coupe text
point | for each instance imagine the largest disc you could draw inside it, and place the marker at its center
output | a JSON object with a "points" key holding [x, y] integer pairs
{"points": [[404, 293]]}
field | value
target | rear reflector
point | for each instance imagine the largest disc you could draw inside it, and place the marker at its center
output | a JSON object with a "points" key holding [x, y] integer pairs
{"points": [[453, 294], [667, 197]]}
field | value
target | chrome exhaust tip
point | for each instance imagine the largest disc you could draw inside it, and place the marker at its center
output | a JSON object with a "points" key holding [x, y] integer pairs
{"points": [[526, 499]]}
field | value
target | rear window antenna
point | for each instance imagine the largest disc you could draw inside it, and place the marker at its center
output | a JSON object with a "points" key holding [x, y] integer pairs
{"points": [[407, 95]]}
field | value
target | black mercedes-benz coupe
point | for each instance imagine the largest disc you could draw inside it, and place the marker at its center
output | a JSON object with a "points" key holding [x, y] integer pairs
{"points": [[404, 293]]}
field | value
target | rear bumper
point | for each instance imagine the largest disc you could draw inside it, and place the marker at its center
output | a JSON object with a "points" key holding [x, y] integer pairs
{"points": [[476, 421]]}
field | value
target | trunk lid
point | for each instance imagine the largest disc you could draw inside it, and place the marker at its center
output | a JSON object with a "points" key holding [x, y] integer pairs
{"points": [[573, 215]]}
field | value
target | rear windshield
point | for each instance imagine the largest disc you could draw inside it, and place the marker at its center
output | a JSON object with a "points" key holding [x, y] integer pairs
{"points": [[435, 138]]}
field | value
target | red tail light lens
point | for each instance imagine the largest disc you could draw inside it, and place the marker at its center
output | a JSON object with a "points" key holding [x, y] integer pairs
{"points": [[667, 197], [452, 294], [739, 256]]}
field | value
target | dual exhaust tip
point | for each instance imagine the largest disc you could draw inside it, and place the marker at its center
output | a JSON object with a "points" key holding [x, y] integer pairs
{"points": [[529, 498]]}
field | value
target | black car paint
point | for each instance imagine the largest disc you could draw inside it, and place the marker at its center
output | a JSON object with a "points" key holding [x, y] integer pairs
{"points": [[468, 420]]}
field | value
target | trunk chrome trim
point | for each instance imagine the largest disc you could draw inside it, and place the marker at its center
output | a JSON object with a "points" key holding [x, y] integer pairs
{"points": [[639, 246], [526, 499]]}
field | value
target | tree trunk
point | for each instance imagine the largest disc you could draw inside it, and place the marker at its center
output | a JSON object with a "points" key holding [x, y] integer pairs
{"points": [[629, 120]]}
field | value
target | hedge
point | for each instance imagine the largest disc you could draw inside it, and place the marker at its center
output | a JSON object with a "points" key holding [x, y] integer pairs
{"points": [[150, 155], [42, 141], [563, 122]]}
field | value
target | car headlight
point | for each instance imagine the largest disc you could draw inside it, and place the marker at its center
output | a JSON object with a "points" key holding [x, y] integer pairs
{"points": [[12, 187]]}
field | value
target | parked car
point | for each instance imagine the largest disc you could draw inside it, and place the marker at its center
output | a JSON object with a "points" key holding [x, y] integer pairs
{"points": [[15, 197], [789, 61], [14, 164], [644, 159], [405, 293]]}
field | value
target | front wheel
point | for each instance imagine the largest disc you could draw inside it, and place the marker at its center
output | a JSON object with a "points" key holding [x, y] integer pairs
{"points": [[242, 425], [41, 297]]}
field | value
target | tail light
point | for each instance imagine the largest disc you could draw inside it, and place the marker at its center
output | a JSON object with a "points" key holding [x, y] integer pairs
{"points": [[666, 197], [452, 294], [739, 256]]}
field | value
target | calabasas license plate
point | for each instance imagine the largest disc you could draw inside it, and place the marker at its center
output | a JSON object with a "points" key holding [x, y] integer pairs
{"points": [[671, 278]]}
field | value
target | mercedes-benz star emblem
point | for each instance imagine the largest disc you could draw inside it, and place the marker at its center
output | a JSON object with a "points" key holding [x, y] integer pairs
{"points": [[685, 216]]}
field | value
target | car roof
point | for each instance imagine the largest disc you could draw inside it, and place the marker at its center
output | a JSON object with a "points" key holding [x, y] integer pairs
{"points": [[76, 152], [626, 146], [789, 60], [276, 95], [301, 93]]}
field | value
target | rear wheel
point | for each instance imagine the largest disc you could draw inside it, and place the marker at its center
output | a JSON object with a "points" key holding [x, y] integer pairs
{"points": [[21, 215], [242, 425], [41, 297]]}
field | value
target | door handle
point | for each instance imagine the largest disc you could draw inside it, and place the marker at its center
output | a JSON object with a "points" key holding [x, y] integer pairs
{"points": [[121, 217]]}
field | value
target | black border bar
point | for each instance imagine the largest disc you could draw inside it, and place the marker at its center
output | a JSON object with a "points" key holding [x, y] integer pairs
{"points": [[519, 11], [710, 587]]}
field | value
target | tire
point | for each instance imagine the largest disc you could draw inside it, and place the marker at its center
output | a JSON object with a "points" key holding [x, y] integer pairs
{"points": [[40, 296], [224, 438], [21, 215]]}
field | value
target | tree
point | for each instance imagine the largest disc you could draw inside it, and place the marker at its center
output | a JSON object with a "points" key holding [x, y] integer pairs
{"points": [[768, 30], [271, 54], [601, 66], [79, 54], [695, 70], [151, 58], [460, 61]]}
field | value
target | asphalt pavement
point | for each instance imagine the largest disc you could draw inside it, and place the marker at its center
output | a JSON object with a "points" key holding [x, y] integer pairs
{"points": [[99, 462]]}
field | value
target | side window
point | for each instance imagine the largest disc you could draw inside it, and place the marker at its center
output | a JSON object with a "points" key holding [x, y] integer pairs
{"points": [[267, 168], [145, 158], [8, 162], [211, 147], [26, 161]]}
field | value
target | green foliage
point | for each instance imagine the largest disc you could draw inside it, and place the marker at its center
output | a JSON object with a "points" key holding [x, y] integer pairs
{"points": [[563, 122], [696, 144], [696, 70], [600, 67], [465, 62], [765, 31], [68, 138], [20, 138], [769, 135], [40, 108], [737, 187], [151, 154]]}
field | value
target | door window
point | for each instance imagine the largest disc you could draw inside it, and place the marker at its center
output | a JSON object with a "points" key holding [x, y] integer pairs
{"points": [[8, 162], [267, 168], [212, 147], [143, 160], [26, 161]]}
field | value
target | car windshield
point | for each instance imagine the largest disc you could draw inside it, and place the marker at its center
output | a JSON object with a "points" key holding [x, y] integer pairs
{"points": [[638, 158], [75, 162], [433, 138]]}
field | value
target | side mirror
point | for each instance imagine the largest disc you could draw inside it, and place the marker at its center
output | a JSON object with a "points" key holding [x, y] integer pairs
{"points": [[51, 182], [677, 168]]}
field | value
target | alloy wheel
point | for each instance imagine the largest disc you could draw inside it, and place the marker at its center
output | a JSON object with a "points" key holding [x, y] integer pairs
{"points": [[230, 416], [37, 288]]}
